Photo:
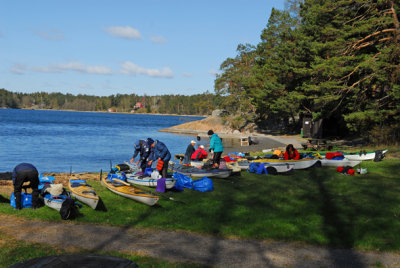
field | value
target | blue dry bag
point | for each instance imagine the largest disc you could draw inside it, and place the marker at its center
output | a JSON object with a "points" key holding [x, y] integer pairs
{"points": [[182, 181], [26, 200], [203, 185]]}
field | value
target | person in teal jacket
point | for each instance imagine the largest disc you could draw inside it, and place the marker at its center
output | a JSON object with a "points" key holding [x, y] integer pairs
{"points": [[216, 146]]}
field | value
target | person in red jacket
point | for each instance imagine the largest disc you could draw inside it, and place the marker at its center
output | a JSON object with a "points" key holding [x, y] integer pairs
{"points": [[291, 153], [199, 154]]}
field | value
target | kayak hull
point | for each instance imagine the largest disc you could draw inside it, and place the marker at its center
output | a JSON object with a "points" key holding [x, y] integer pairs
{"points": [[130, 192], [148, 181], [84, 192], [339, 162], [362, 156]]}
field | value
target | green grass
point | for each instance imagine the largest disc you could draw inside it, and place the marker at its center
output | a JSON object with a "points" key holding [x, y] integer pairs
{"points": [[13, 251], [317, 206]]}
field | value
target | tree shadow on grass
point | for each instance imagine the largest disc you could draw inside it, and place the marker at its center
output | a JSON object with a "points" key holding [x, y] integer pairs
{"points": [[223, 216], [338, 230]]}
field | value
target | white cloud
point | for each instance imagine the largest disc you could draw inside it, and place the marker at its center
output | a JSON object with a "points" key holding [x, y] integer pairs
{"points": [[187, 75], [130, 68], [50, 34], [213, 72], [62, 67], [18, 69], [80, 67], [159, 40], [126, 32]]}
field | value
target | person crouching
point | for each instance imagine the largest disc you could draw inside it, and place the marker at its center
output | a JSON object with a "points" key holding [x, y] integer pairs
{"points": [[25, 172]]}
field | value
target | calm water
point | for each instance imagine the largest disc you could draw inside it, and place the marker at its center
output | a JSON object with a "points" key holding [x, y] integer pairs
{"points": [[57, 141]]}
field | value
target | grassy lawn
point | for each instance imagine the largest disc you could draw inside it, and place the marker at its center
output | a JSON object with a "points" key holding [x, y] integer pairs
{"points": [[13, 251], [317, 206]]}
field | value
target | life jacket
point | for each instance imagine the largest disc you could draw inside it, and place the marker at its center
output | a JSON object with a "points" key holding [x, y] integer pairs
{"points": [[160, 165]]}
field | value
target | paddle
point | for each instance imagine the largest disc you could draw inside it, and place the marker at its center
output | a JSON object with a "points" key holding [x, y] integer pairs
{"points": [[121, 181]]}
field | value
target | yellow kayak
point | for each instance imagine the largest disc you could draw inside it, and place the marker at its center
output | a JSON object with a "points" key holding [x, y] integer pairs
{"points": [[83, 192], [126, 190]]}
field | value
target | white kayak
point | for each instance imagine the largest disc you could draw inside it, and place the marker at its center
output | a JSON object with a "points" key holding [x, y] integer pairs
{"points": [[339, 162], [199, 173], [279, 167], [362, 155], [54, 201], [298, 164], [145, 180]]}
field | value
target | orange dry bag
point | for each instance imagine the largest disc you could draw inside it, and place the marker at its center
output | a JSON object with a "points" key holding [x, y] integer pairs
{"points": [[160, 164]]}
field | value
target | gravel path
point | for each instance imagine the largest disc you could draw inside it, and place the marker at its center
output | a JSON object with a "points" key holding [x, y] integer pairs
{"points": [[187, 247]]}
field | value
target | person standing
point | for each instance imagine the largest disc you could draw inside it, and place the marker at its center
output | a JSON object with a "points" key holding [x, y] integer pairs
{"points": [[189, 151], [160, 152], [216, 147], [25, 172]]}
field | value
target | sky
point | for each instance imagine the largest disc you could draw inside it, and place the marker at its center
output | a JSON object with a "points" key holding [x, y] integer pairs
{"points": [[103, 48]]}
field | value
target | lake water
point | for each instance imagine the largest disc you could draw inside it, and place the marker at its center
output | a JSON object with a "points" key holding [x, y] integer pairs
{"points": [[60, 141]]}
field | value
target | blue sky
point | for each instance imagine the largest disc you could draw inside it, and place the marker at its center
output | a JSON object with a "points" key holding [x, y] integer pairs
{"points": [[99, 47]]}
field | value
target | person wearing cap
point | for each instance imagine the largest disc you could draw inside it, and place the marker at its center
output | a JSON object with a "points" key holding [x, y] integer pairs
{"points": [[189, 151], [25, 172], [160, 152], [143, 147], [216, 147], [138, 148], [199, 154]]}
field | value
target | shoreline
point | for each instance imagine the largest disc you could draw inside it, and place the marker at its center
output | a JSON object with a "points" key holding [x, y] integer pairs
{"points": [[231, 141], [105, 112]]}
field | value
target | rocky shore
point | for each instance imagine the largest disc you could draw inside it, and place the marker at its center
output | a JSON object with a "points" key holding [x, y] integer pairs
{"points": [[232, 138]]}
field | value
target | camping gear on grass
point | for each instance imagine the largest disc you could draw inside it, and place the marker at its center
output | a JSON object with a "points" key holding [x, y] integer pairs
{"points": [[362, 171], [198, 172], [26, 200], [118, 186], [203, 185], [83, 192], [347, 170], [183, 181]]}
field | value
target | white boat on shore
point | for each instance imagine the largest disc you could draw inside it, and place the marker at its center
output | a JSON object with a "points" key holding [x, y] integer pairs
{"points": [[362, 155], [145, 180], [279, 167], [199, 173], [298, 164], [339, 162]]}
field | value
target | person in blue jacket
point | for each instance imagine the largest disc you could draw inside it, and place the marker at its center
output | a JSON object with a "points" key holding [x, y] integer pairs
{"points": [[25, 172], [142, 147], [216, 147], [138, 148], [160, 152]]}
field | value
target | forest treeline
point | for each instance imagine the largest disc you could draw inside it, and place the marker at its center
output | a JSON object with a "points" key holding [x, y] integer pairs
{"points": [[336, 60], [200, 104]]}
